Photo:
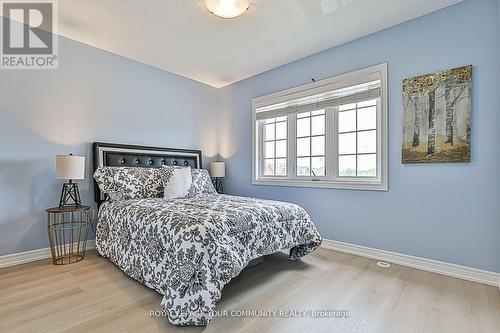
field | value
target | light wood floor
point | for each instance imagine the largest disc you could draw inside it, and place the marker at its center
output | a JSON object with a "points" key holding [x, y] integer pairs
{"points": [[95, 296]]}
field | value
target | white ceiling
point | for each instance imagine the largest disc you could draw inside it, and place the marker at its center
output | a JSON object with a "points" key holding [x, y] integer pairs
{"points": [[182, 37]]}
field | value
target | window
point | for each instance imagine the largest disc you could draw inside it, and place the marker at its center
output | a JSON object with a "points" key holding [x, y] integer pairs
{"points": [[275, 146], [311, 143], [357, 139], [330, 133]]}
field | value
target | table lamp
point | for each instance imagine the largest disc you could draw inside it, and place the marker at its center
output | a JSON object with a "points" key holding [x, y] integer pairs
{"points": [[217, 172], [70, 167]]}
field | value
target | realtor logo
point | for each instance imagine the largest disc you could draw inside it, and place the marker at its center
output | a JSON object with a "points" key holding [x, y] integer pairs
{"points": [[29, 39]]}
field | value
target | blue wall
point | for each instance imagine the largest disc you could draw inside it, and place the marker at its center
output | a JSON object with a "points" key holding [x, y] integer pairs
{"points": [[448, 212], [93, 96]]}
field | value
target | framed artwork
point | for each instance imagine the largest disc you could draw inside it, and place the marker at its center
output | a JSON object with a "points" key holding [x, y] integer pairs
{"points": [[437, 117]]}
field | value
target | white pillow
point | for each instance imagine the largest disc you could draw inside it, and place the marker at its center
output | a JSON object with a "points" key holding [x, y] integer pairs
{"points": [[176, 181]]}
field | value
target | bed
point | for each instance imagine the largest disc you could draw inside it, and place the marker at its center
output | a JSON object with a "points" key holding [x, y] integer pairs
{"points": [[188, 249]]}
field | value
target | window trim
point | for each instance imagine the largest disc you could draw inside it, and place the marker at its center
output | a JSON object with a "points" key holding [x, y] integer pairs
{"points": [[379, 183]]}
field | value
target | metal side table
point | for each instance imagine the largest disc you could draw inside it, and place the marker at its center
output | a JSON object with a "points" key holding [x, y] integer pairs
{"points": [[68, 230]]}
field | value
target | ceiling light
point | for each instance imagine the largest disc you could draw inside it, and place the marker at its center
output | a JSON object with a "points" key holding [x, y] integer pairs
{"points": [[227, 8]]}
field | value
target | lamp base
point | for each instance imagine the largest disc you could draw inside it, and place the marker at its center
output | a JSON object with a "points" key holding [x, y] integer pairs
{"points": [[218, 185], [70, 196]]}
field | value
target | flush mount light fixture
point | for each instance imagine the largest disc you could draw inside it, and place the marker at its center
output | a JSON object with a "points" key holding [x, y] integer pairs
{"points": [[227, 8]]}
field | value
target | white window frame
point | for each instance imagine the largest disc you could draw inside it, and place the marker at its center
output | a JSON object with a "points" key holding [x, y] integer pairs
{"points": [[294, 156], [262, 159], [331, 179]]}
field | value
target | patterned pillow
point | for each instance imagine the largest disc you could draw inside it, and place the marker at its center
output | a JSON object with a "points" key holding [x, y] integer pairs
{"points": [[176, 181], [125, 183], [201, 183]]}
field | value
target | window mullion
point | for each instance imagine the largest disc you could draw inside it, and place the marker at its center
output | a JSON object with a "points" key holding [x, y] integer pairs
{"points": [[332, 139], [310, 144], [274, 144], [291, 142], [356, 137], [260, 148]]}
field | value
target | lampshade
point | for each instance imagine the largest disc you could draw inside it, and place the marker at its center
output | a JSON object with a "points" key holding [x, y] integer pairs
{"points": [[70, 167], [217, 169], [227, 8]]}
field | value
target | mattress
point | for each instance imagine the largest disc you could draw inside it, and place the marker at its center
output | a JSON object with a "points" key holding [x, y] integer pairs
{"points": [[188, 249]]}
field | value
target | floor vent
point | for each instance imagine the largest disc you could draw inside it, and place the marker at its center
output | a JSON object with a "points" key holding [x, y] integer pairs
{"points": [[383, 264]]}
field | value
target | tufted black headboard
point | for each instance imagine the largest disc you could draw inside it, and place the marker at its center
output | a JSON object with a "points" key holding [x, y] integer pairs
{"points": [[112, 154]]}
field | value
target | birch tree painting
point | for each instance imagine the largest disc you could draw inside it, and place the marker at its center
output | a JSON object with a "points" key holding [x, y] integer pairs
{"points": [[437, 117]]}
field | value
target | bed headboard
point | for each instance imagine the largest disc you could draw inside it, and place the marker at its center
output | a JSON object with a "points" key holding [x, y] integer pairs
{"points": [[112, 154]]}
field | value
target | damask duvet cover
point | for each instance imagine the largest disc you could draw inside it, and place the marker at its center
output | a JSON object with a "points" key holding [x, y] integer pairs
{"points": [[188, 249]]}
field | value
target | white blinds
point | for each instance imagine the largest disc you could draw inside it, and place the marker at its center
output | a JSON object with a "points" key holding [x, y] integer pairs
{"points": [[354, 93]]}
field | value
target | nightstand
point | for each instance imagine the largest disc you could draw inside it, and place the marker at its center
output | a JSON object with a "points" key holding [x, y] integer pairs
{"points": [[68, 230]]}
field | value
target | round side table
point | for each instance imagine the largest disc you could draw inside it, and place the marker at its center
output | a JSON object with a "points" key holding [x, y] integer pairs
{"points": [[68, 230]]}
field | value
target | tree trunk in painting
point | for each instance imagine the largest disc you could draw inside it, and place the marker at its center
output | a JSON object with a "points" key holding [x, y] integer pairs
{"points": [[449, 115], [416, 124], [431, 140]]}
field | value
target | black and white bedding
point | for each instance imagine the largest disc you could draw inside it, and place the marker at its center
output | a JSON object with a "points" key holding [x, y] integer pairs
{"points": [[188, 249]]}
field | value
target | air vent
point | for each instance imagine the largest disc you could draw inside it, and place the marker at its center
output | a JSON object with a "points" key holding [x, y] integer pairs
{"points": [[383, 264]]}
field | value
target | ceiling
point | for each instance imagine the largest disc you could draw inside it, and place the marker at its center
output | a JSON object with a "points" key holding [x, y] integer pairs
{"points": [[182, 37]]}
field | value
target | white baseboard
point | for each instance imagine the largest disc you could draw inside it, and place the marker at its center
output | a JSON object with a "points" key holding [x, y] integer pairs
{"points": [[429, 265], [33, 255]]}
